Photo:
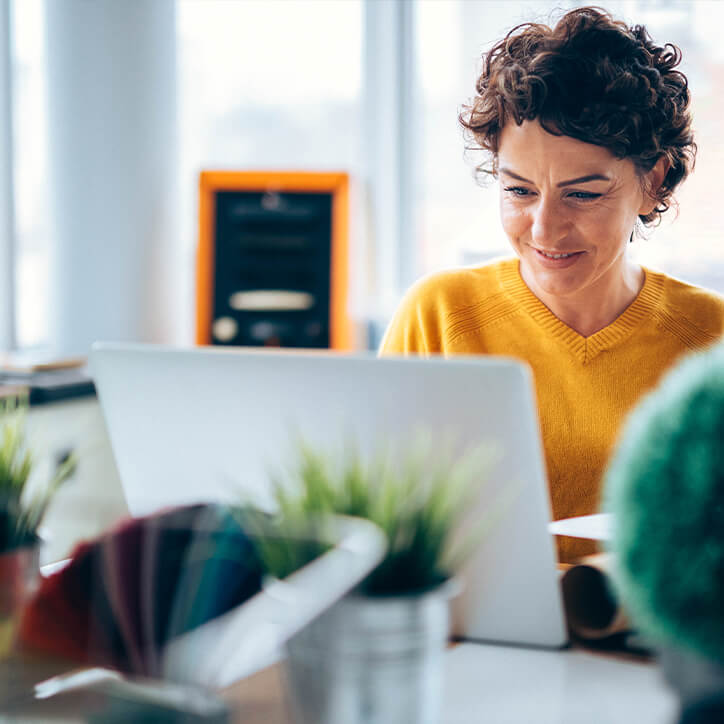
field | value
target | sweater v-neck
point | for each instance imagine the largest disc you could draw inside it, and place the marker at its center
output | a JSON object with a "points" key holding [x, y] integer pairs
{"points": [[583, 348]]}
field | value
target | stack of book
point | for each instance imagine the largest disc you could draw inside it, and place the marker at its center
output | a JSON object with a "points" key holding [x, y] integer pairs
{"points": [[44, 378]]}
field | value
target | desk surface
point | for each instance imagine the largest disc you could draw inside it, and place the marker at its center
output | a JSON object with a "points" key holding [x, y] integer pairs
{"points": [[499, 684], [506, 684]]}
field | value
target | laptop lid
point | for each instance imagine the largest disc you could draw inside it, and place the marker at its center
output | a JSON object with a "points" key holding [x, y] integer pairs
{"points": [[210, 424]]}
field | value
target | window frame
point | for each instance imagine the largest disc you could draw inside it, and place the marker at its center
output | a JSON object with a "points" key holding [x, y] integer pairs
{"points": [[8, 234], [390, 165]]}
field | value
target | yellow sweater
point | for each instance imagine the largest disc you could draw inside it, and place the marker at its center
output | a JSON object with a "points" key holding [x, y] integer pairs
{"points": [[585, 385]]}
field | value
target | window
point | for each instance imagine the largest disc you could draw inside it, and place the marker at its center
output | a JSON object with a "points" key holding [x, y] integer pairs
{"points": [[32, 225], [266, 85], [260, 85], [459, 219]]}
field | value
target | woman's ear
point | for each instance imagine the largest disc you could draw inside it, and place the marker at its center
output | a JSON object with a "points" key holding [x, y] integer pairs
{"points": [[652, 183]]}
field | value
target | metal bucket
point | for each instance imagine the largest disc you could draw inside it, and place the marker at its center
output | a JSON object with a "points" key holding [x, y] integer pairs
{"points": [[377, 660], [19, 575]]}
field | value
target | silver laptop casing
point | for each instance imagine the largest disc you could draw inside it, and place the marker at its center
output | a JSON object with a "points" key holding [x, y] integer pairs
{"points": [[213, 424]]}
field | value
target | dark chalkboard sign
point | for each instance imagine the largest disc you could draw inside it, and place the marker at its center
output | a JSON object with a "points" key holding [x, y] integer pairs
{"points": [[272, 264]]}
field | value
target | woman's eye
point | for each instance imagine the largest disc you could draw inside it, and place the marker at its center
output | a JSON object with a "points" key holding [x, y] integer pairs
{"points": [[584, 195], [517, 190]]}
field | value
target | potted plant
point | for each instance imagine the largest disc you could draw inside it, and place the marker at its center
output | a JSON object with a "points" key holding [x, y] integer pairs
{"points": [[377, 654], [665, 487], [24, 499]]}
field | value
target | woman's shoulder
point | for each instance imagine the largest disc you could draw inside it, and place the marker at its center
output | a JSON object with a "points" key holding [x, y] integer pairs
{"points": [[701, 307], [437, 301]]}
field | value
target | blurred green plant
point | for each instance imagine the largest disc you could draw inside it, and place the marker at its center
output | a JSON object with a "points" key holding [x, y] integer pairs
{"points": [[665, 485], [419, 501], [22, 506]]}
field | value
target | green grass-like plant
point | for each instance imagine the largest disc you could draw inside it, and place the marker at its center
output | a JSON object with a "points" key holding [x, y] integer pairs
{"points": [[419, 504], [21, 508]]}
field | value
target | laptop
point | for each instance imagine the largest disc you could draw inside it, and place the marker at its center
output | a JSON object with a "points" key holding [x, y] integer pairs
{"points": [[210, 424]]}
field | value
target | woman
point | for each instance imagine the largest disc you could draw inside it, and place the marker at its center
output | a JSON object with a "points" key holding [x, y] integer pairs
{"points": [[586, 127]]}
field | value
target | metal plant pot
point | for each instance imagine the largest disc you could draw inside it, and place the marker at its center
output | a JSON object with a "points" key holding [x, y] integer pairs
{"points": [[19, 573], [377, 660]]}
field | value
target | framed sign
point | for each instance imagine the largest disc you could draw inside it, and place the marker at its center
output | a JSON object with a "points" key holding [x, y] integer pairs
{"points": [[272, 267]]}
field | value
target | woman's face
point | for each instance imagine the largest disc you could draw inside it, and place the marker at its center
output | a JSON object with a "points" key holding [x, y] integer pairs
{"points": [[568, 208]]}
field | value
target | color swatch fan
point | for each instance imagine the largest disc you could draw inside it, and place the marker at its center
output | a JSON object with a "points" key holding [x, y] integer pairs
{"points": [[179, 595]]}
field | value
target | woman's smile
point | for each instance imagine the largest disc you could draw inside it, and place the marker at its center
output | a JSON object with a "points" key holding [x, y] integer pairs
{"points": [[557, 259]]}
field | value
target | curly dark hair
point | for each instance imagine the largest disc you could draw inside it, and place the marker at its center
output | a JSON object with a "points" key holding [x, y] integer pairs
{"points": [[595, 79]]}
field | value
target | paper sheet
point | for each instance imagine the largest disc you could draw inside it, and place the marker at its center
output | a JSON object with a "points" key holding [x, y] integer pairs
{"points": [[593, 527]]}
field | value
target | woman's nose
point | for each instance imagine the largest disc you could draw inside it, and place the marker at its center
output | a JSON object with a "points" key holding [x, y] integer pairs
{"points": [[549, 224]]}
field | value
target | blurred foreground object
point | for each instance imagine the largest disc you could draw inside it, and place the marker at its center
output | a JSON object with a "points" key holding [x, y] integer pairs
{"points": [[101, 695], [178, 595], [666, 487], [419, 502], [377, 655], [125, 595], [25, 495]]}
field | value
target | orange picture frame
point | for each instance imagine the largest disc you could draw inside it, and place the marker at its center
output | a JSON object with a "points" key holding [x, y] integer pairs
{"points": [[335, 183]]}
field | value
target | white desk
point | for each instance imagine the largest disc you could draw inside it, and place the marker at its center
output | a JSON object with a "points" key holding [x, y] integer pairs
{"points": [[485, 684], [502, 685], [493, 684]]}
